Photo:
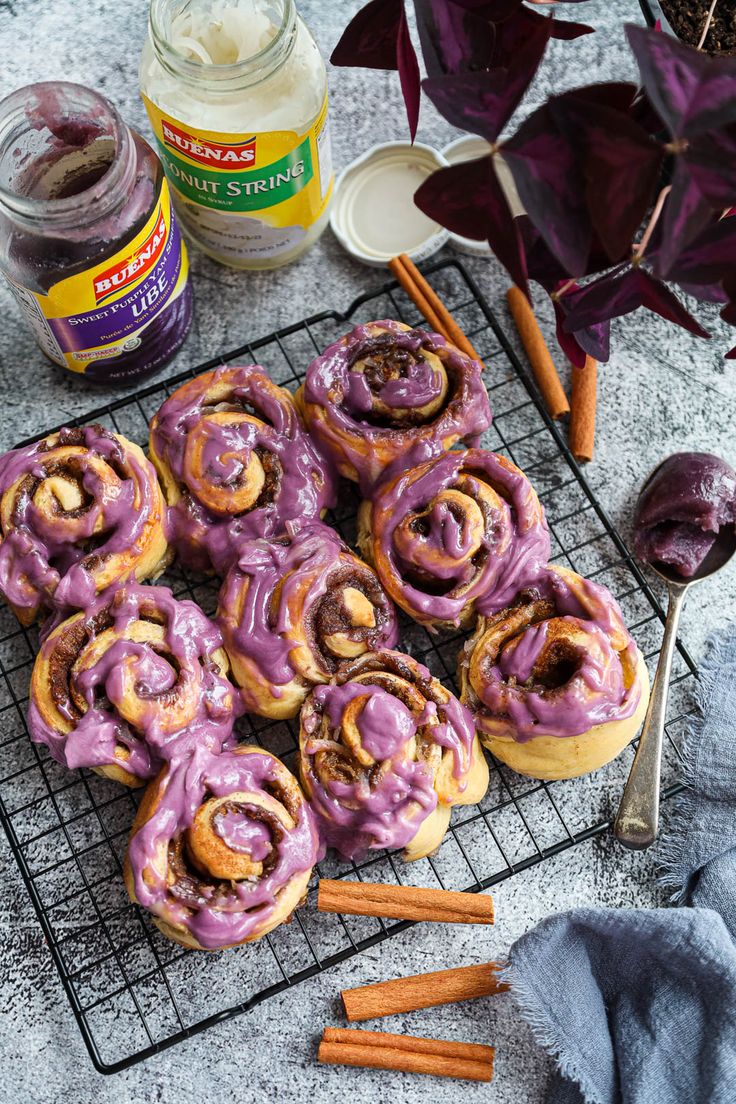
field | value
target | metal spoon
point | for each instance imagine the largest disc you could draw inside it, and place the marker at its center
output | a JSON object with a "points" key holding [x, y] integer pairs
{"points": [[638, 814]]}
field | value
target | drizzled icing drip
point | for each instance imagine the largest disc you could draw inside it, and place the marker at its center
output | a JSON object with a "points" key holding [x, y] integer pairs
{"points": [[373, 750], [292, 608], [236, 464], [216, 880], [387, 395], [557, 662], [137, 679], [79, 510], [463, 532]]}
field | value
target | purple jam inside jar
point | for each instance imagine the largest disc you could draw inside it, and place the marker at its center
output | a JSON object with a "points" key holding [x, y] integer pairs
{"points": [[83, 199]]}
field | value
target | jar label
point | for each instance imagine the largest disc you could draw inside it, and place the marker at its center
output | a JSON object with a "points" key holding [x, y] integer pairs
{"points": [[246, 195], [101, 312]]}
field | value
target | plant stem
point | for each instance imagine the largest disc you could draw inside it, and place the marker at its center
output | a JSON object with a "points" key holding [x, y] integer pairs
{"points": [[708, 21], [563, 290], [638, 249]]}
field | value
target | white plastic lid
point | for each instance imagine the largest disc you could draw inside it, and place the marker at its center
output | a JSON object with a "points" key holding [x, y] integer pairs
{"points": [[374, 216], [465, 149]]}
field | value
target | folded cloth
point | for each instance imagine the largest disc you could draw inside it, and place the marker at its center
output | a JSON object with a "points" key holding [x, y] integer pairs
{"points": [[638, 1006]]}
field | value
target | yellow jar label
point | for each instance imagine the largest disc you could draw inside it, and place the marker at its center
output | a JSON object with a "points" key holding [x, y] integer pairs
{"points": [[100, 313], [246, 195]]}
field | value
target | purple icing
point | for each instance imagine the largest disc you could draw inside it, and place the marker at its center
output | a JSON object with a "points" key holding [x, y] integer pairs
{"points": [[301, 484], [243, 834], [363, 420], [302, 568], [592, 689], [45, 557], [391, 796], [685, 503], [426, 552], [216, 912], [128, 666]]}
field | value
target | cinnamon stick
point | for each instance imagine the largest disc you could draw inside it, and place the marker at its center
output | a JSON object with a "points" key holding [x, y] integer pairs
{"points": [[582, 414], [398, 902], [426, 299], [381, 1050], [540, 359], [407, 994]]}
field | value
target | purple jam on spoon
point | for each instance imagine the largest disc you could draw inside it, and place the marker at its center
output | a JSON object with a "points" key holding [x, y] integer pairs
{"points": [[681, 510]]}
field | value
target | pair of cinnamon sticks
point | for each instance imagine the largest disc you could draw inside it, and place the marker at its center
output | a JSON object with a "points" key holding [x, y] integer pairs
{"points": [[408, 1053], [582, 407], [382, 1050]]}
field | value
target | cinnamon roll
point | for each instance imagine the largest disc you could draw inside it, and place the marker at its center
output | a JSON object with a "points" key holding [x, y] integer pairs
{"points": [[459, 533], [555, 682], [222, 848], [385, 751], [291, 609], [235, 463], [79, 511], [386, 393], [134, 680]]}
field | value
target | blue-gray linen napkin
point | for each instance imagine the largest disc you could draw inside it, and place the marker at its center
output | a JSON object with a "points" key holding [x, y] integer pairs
{"points": [[638, 1006]]}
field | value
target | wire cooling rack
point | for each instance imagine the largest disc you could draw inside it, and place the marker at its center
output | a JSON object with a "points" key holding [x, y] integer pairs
{"points": [[133, 993]]}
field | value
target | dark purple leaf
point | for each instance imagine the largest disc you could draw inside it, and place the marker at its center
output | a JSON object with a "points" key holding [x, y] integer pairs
{"points": [[707, 293], [567, 30], [621, 164], [483, 102], [692, 92], [378, 38], [728, 314], [468, 200], [547, 174], [711, 164], [526, 18], [670, 72], [455, 39], [708, 257], [409, 76], [594, 341], [685, 214], [541, 264], [526, 30], [622, 291]]}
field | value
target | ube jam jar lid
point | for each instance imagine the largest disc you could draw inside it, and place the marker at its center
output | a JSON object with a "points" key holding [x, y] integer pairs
{"points": [[374, 216], [465, 149]]}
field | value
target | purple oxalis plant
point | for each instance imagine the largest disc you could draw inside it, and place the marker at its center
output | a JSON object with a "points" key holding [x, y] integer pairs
{"points": [[627, 189]]}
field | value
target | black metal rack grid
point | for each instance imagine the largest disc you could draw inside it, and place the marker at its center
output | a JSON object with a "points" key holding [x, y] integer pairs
{"points": [[134, 993]]}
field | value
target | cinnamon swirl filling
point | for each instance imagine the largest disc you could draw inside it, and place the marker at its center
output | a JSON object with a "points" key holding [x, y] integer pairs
{"points": [[79, 511], [292, 609], [235, 464], [385, 393], [222, 849], [385, 751]]}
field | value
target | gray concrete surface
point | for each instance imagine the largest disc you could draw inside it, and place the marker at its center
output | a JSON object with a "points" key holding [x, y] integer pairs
{"points": [[662, 391]]}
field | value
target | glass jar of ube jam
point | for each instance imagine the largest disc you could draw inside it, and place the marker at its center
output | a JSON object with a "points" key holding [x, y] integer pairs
{"points": [[89, 244]]}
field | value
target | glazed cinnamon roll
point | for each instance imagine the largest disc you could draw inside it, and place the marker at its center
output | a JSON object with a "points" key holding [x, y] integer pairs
{"points": [[385, 751], [222, 848], [79, 511], [291, 609], [555, 682], [235, 463], [134, 680], [455, 535], [387, 393]]}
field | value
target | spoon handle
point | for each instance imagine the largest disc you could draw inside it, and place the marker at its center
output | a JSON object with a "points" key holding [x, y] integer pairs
{"points": [[638, 814]]}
